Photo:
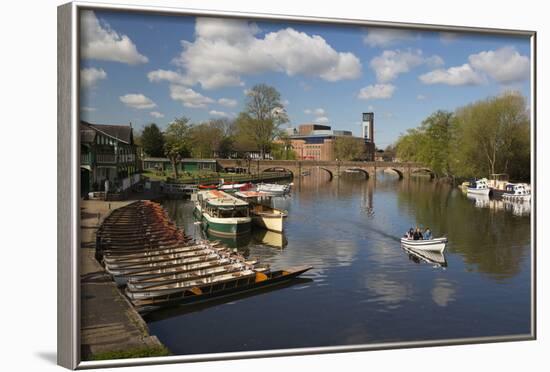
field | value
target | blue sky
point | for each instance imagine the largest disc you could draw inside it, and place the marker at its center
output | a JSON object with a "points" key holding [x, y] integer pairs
{"points": [[152, 68]]}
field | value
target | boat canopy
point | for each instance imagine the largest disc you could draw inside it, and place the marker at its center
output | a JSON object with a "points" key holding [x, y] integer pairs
{"points": [[220, 199]]}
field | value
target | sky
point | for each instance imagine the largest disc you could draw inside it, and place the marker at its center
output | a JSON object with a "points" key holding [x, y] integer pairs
{"points": [[143, 68]]}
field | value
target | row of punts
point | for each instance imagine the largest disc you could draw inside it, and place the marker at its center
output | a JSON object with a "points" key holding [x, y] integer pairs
{"points": [[158, 265]]}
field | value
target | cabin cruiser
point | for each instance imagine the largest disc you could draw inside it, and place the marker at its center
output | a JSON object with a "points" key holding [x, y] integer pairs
{"points": [[222, 214], [479, 187], [517, 192]]}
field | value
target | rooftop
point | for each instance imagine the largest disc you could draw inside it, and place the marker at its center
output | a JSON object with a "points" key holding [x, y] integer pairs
{"points": [[121, 133]]}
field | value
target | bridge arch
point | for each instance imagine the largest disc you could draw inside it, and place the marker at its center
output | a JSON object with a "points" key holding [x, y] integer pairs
{"points": [[331, 175], [278, 169], [424, 170], [398, 171], [364, 171]]}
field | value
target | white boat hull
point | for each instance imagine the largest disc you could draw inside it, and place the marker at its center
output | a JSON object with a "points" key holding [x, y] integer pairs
{"points": [[437, 244], [479, 191], [269, 222]]}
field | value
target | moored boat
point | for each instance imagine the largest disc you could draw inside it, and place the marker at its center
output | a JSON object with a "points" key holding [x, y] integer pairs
{"points": [[263, 215], [517, 192], [479, 187], [222, 214], [213, 291], [234, 187], [436, 244], [273, 188]]}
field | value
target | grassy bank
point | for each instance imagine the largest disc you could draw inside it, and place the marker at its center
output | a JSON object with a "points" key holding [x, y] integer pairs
{"points": [[212, 177]]}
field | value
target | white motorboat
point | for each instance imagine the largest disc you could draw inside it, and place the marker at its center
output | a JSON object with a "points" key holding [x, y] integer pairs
{"points": [[479, 187], [273, 188], [517, 192], [263, 215], [436, 244]]}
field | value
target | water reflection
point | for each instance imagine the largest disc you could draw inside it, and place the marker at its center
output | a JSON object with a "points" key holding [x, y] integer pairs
{"points": [[490, 239], [364, 287], [518, 208], [431, 257], [270, 238], [443, 292]]}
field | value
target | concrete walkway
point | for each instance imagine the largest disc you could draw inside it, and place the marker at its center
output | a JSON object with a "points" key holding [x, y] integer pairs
{"points": [[109, 323]]}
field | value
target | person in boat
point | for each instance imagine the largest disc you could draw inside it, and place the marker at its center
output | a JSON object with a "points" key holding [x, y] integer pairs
{"points": [[427, 234], [417, 234], [409, 234]]}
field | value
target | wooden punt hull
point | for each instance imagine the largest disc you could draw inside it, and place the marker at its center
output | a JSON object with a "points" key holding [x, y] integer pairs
{"points": [[147, 254], [177, 273], [189, 285], [191, 275], [215, 292], [143, 275], [162, 258], [130, 269], [163, 261]]}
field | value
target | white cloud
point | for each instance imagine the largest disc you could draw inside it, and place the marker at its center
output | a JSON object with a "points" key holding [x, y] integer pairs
{"points": [[138, 101], [370, 108], [459, 75], [505, 65], [228, 102], [166, 75], [421, 97], [224, 50], [188, 97], [285, 102], [156, 114], [90, 76], [383, 37], [321, 120], [88, 109], [100, 41], [219, 113], [391, 63], [377, 91]]}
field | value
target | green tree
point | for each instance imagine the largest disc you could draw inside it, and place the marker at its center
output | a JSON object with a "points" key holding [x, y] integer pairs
{"points": [[204, 139], [152, 140], [493, 137], [349, 148], [176, 142], [485, 137], [263, 116]]}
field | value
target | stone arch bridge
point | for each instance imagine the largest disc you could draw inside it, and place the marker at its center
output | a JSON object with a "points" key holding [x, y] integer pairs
{"points": [[333, 168]]}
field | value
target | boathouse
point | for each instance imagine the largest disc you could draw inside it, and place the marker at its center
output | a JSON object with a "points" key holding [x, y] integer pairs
{"points": [[107, 152]]}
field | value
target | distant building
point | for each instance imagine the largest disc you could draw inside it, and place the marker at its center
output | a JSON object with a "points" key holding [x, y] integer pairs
{"points": [[107, 152], [368, 134], [316, 142]]}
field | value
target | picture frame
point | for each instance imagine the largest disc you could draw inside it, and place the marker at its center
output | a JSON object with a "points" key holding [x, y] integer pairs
{"points": [[69, 295]]}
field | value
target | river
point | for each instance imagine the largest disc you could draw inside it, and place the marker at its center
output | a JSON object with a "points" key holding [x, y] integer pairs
{"points": [[364, 287]]}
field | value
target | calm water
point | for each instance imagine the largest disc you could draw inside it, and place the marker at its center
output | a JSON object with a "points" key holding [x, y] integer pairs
{"points": [[364, 288]]}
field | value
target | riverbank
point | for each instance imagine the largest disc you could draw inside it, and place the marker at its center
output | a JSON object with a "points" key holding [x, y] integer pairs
{"points": [[215, 179], [110, 327]]}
